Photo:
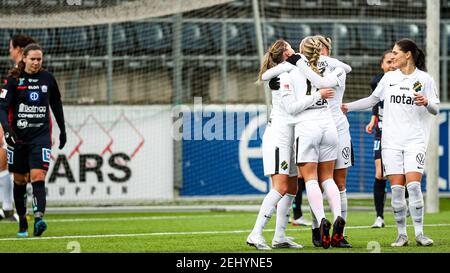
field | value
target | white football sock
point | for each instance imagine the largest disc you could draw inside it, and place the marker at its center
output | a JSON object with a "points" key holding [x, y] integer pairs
{"points": [[7, 188], [333, 197], [283, 212], [344, 204], [315, 199], [266, 211], [416, 206], [315, 223], [399, 207]]}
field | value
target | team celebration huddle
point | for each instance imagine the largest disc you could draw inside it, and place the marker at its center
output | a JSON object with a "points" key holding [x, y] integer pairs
{"points": [[308, 136]]}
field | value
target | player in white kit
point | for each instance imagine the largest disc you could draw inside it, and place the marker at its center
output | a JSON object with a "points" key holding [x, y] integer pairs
{"points": [[345, 156], [344, 152], [410, 99], [277, 149], [316, 137]]}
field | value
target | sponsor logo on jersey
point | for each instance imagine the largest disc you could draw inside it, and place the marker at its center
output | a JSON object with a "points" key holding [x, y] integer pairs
{"points": [[33, 80], [346, 152], [21, 81], [401, 99], [321, 102], [420, 158], [10, 156], [404, 88], [34, 96], [33, 87], [23, 108], [22, 123], [417, 86], [3, 93], [35, 125], [46, 154], [27, 111], [44, 88], [284, 165]]}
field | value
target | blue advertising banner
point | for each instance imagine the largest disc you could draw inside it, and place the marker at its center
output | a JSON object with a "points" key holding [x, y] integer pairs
{"points": [[222, 153]]}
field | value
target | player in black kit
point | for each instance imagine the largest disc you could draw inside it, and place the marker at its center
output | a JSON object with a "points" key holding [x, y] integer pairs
{"points": [[25, 101]]}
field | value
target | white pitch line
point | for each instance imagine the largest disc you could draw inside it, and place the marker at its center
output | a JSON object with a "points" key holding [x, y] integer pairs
{"points": [[181, 233], [133, 218]]}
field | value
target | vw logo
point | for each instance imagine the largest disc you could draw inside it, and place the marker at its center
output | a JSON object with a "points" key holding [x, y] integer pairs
{"points": [[346, 152], [34, 96], [420, 158]]}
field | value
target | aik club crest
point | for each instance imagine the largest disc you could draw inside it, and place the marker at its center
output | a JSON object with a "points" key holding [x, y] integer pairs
{"points": [[417, 86]]}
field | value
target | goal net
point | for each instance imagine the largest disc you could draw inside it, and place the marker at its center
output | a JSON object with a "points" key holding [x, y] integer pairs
{"points": [[160, 96]]}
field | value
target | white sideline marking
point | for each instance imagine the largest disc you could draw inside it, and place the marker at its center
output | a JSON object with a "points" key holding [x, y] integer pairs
{"points": [[132, 218], [183, 233]]}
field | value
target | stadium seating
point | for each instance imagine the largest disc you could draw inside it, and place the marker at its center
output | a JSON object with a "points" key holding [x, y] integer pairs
{"points": [[375, 38], [153, 38], [45, 37], [346, 43], [5, 36], [347, 3], [241, 39], [76, 41], [412, 31], [275, 3], [295, 32], [123, 39], [195, 39]]}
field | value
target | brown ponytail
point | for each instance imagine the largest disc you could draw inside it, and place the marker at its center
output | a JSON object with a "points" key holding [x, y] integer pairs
{"points": [[273, 56]]}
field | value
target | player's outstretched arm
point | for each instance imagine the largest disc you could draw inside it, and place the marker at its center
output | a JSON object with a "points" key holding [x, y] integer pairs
{"points": [[336, 63], [360, 104], [329, 81], [276, 71]]}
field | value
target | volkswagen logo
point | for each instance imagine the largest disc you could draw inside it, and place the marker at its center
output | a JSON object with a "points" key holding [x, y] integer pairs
{"points": [[420, 158], [346, 153]]}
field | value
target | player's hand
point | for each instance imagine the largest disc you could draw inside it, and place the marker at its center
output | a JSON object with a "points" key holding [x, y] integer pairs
{"points": [[344, 108], [293, 59], [62, 140], [274, 83], [369, 128], [420, 100], [10, 137], [327, 93]]}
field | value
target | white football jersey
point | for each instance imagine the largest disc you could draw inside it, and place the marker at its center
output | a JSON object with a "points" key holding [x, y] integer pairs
{"points": [[327, 65], [279, 119], [405, 125]]}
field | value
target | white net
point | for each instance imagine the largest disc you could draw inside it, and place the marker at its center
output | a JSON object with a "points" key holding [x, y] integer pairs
{"points": [[167, 53]]}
